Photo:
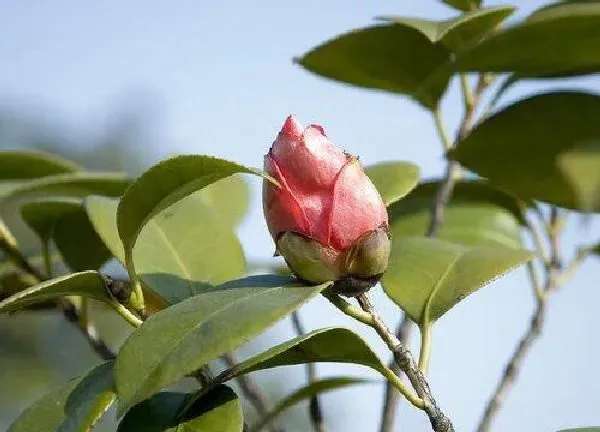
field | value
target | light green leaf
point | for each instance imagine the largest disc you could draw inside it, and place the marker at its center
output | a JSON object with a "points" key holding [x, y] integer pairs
{"points": [[30, 164], [69, 185], [330, 345], [163, 185], [182, 338], [180, 250], [477, 214], [567, 30], [393, 180], [518, 148], [307, 392], [395, 58], [229, 197], [426, 277], [74, 407], [87, 284], [217, 411], [460, 32], [463, 5]]}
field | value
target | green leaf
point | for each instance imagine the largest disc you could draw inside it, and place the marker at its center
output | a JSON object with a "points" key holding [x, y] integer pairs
{"points": [[186, 336], [72, 185], [460, 32], [580, 168], [31, 164], [393, 180], [229, 197], [476, 215], [567, 30], [395, 58], [330, 345], [307, 392], [217, 411], [87, 284], [180, 250], [518, 148], [74, 407], [166, 183], [426, 277], [66, 222], [463, 5]]}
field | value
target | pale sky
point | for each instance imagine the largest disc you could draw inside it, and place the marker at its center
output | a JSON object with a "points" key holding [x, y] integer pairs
{"points": [[219, 79]]}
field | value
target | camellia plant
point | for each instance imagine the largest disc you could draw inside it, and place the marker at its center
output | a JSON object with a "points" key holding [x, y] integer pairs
{"points": [[513, 176]]}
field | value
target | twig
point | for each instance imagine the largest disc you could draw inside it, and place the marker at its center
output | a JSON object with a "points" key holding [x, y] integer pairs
{"points": [[392, 396], [405, 362], [251, 390], [70, 312], [555, 278], [314, 407]]}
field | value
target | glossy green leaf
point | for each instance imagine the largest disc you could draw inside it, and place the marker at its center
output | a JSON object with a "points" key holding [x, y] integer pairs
{"points": [[393, 180], [567, 30], [229, 198], [580, 167], [74, 407], [460, 32], [463, 5], [477, 214], [217, 411], [395, 58], [166, 183], [518, 148], [307, 392], [186, 336], [87, 284], [180, 250], [69, 185], [31, 164], [426, 277], [329, 345]]}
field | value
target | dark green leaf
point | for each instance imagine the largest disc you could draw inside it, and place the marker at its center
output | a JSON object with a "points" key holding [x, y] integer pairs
{"points": [[69, 185], [331, 345], [393, 180], [186, 336], [229, 197], [426, 277], [568, 30], [30, 164], [42, 216], [460, 32], [395, 58], [166, 183], [463, 5], [180, 250], [217, 411], [307, 392], [518, 149], [477, 214], [86, 284], [74, 407]]}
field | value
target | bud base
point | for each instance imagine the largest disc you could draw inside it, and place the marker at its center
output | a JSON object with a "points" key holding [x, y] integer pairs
{"points": [[353, 286]]}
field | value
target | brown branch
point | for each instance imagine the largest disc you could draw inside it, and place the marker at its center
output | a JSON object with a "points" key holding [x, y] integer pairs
{"points": [[314, 407], [555, 278], [405, 362]]}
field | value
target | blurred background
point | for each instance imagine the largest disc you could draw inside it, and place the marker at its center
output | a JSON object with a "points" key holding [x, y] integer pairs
{"points": [[120, 85]]}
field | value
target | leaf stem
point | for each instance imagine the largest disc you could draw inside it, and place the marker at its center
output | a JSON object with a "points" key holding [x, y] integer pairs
{"points": [[425, 349], [347, 308], [441, 129]]}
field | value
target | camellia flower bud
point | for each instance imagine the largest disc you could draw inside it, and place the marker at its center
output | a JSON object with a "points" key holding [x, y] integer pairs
{"points": [[327, 218]]}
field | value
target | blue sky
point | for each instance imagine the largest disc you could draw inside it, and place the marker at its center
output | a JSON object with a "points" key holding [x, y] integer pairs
{"points": [[218, 79]]}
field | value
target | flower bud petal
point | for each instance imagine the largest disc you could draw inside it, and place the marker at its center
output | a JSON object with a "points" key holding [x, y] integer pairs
{"points": [[308, 259], [368, 256]]}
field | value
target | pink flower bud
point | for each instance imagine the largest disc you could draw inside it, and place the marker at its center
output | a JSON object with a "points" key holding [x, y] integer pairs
{"points": [[327, 218]]}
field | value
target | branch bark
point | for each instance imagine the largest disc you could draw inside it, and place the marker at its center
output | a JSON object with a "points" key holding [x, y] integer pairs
{"points": [[406, 363]]}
